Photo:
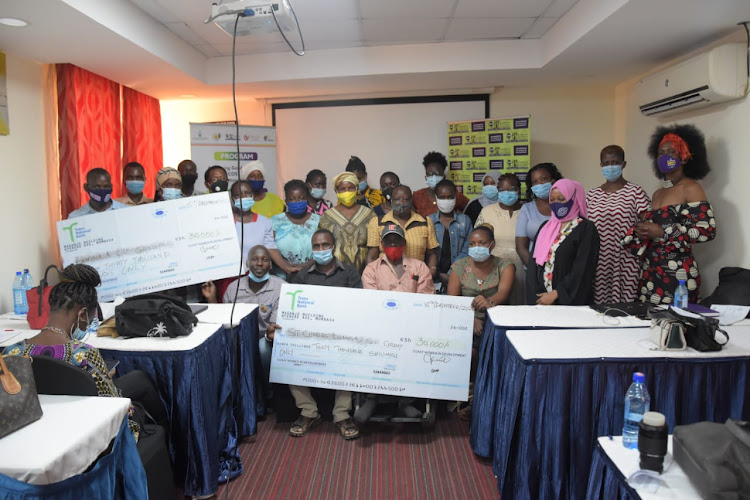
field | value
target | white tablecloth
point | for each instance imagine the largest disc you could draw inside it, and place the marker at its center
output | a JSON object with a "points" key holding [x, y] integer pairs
{"points": [[626, 460], [558, 317], [614, 343], [72, 433]]}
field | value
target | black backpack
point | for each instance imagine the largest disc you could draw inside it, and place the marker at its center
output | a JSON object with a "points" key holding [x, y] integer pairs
{"points": [[734, 288], [154, 315]]}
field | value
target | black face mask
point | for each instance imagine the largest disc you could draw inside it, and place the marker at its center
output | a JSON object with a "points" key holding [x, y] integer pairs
{"points": [[219, 186], [188, 180], [388, 193]]}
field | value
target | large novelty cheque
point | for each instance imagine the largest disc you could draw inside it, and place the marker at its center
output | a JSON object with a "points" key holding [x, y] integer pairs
{"points": [[373, 341], [156, 246]]}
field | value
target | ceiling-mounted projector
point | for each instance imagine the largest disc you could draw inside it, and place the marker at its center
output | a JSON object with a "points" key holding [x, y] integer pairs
{"points": [[257, 17]]}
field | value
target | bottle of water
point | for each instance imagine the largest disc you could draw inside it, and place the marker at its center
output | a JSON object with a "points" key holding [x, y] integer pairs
{"points": [[681, 296], [20, 306], [637, 402], [28, 281]]}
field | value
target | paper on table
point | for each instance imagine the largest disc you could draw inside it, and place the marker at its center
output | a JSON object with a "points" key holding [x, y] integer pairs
{"points": [[13, 316], [729, 314]]}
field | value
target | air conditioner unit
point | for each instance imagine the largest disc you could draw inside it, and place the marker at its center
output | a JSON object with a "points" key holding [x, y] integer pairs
{"points": [[715, 76]]}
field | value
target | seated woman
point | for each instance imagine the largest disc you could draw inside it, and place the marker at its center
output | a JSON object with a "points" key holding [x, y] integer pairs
{"points": [[293, 230], [489, 280], [73, 316], [266, 204], [566, 251]]}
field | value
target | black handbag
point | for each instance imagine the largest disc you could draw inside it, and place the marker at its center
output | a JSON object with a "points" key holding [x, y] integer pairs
{"points": [[700, 331], [154, 315], [716, 457], [19, 401]]}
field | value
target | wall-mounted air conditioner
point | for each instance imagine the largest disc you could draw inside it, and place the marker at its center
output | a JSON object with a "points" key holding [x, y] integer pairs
{"points": [[715, 76]]}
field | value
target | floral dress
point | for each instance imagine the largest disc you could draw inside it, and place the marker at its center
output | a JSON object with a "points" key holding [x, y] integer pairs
{"points": [[472, 286], [294, 241], [669, 259]]}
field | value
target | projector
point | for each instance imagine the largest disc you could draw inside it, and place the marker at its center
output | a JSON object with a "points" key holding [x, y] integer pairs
{"points": [[257, 17]]}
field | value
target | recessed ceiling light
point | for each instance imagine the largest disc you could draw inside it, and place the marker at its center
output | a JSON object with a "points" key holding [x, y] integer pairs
{"points": [[12, 21]]}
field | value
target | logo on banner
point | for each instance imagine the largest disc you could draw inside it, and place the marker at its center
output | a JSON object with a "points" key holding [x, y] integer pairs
{"points": [[299, 301], [390, 304]]}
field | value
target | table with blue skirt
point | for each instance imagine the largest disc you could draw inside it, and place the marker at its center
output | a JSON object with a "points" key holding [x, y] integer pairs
{"points": [[561, 389], [487, 387]]}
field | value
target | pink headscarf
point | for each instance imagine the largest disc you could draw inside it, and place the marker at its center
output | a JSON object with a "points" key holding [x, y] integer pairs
{"points": [[569, 189]]}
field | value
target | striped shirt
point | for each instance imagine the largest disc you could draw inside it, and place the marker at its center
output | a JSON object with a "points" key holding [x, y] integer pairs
{"points": [[419, 231], [614, 214]]}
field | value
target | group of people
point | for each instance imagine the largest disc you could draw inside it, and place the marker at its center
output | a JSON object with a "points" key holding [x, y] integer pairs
{"points": [[563, 246]]}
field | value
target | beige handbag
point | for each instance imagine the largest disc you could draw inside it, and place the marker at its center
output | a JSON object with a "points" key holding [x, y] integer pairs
{"points": [[668, 334]]}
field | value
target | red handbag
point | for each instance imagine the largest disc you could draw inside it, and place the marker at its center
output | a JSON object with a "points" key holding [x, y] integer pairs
{"points": [[38, 299]]}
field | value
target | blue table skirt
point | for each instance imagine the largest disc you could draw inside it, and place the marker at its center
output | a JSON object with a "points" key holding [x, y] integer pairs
{"points": [[606, 482], [196, 388], [250, 403], [553, 411], [486, 389], [117, 475]]}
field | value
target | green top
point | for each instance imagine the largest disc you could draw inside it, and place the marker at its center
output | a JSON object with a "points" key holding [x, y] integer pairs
{"points": [[471, 286]]}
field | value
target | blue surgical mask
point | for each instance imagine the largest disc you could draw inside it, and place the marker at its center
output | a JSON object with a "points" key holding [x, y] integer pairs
{"points": [[171, 193], [363, 186], [91, 328], [257, 185], [297, 207], [317, 193], [323, 257], [490, 192], [508, 198], [433, 180], [542, 190], [135, 187], [612, 172], [561, 209], [244, 204], [479, 253], [261, 279]]}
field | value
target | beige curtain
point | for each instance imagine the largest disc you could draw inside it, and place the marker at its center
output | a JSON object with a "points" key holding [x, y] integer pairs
{"points": [[52, 158]]}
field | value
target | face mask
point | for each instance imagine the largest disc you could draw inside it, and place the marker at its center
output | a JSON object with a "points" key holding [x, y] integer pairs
{"points": [[317, 193], [135, 187], [393, 253], [297, 207], [188, 180], [347, 198], [479, 253], [257, 185], [101, 195], [508, 198], [446, 206], [667, 163], [542, 190], [218, 186], [171, 193], [387, 193], [259, 280], [363, 186], [244, 204], [490, 192], [91, 327], [561, 209], [323, 257], [433, 180], [399, 207], [612, 172]]}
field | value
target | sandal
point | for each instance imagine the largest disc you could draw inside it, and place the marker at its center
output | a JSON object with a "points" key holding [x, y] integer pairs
{"points": [[347, 429], [465, 413], [302, 425]]}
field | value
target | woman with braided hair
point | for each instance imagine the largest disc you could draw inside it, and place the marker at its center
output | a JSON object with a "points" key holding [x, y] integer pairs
{"points": [[681, 216], [73, 316]]}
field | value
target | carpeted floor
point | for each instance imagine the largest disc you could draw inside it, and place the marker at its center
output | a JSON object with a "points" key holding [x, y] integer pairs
{"points": [[387, 462]]}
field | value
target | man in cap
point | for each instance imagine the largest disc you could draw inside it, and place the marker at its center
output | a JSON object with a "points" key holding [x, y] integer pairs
{"points": [[393, 270]]}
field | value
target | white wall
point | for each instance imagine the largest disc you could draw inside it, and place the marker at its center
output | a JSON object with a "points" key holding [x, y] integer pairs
{"points": [[725, 127], [24, 204], [176, 116]]}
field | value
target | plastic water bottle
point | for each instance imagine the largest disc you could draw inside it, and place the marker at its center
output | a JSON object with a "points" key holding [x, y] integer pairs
{"points": [[637, 402], [20, 306], [28, 281], [681, 296]]}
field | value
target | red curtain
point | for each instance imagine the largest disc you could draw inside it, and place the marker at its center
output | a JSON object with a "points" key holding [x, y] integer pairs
{"points": [[141, 134], [88, 131]]}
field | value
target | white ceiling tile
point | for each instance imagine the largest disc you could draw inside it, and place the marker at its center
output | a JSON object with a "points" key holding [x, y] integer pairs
{"points": [[559, 7], [473, 29], [185, 32], [403, 30], [330, 44], [226, 49], [325, 9], [329, 29], [209, 50], [422, 9], [501, 8], [540, 27]]}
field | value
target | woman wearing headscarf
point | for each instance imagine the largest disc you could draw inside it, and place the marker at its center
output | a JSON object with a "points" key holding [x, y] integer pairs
{"points": [[488, 197], [168, 184], [266, 203], [348, 222], [533, 214], [566, 251], [664, 237]]}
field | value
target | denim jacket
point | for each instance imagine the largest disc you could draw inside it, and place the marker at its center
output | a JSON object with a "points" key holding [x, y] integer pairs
{"points": [[460, 228]]}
